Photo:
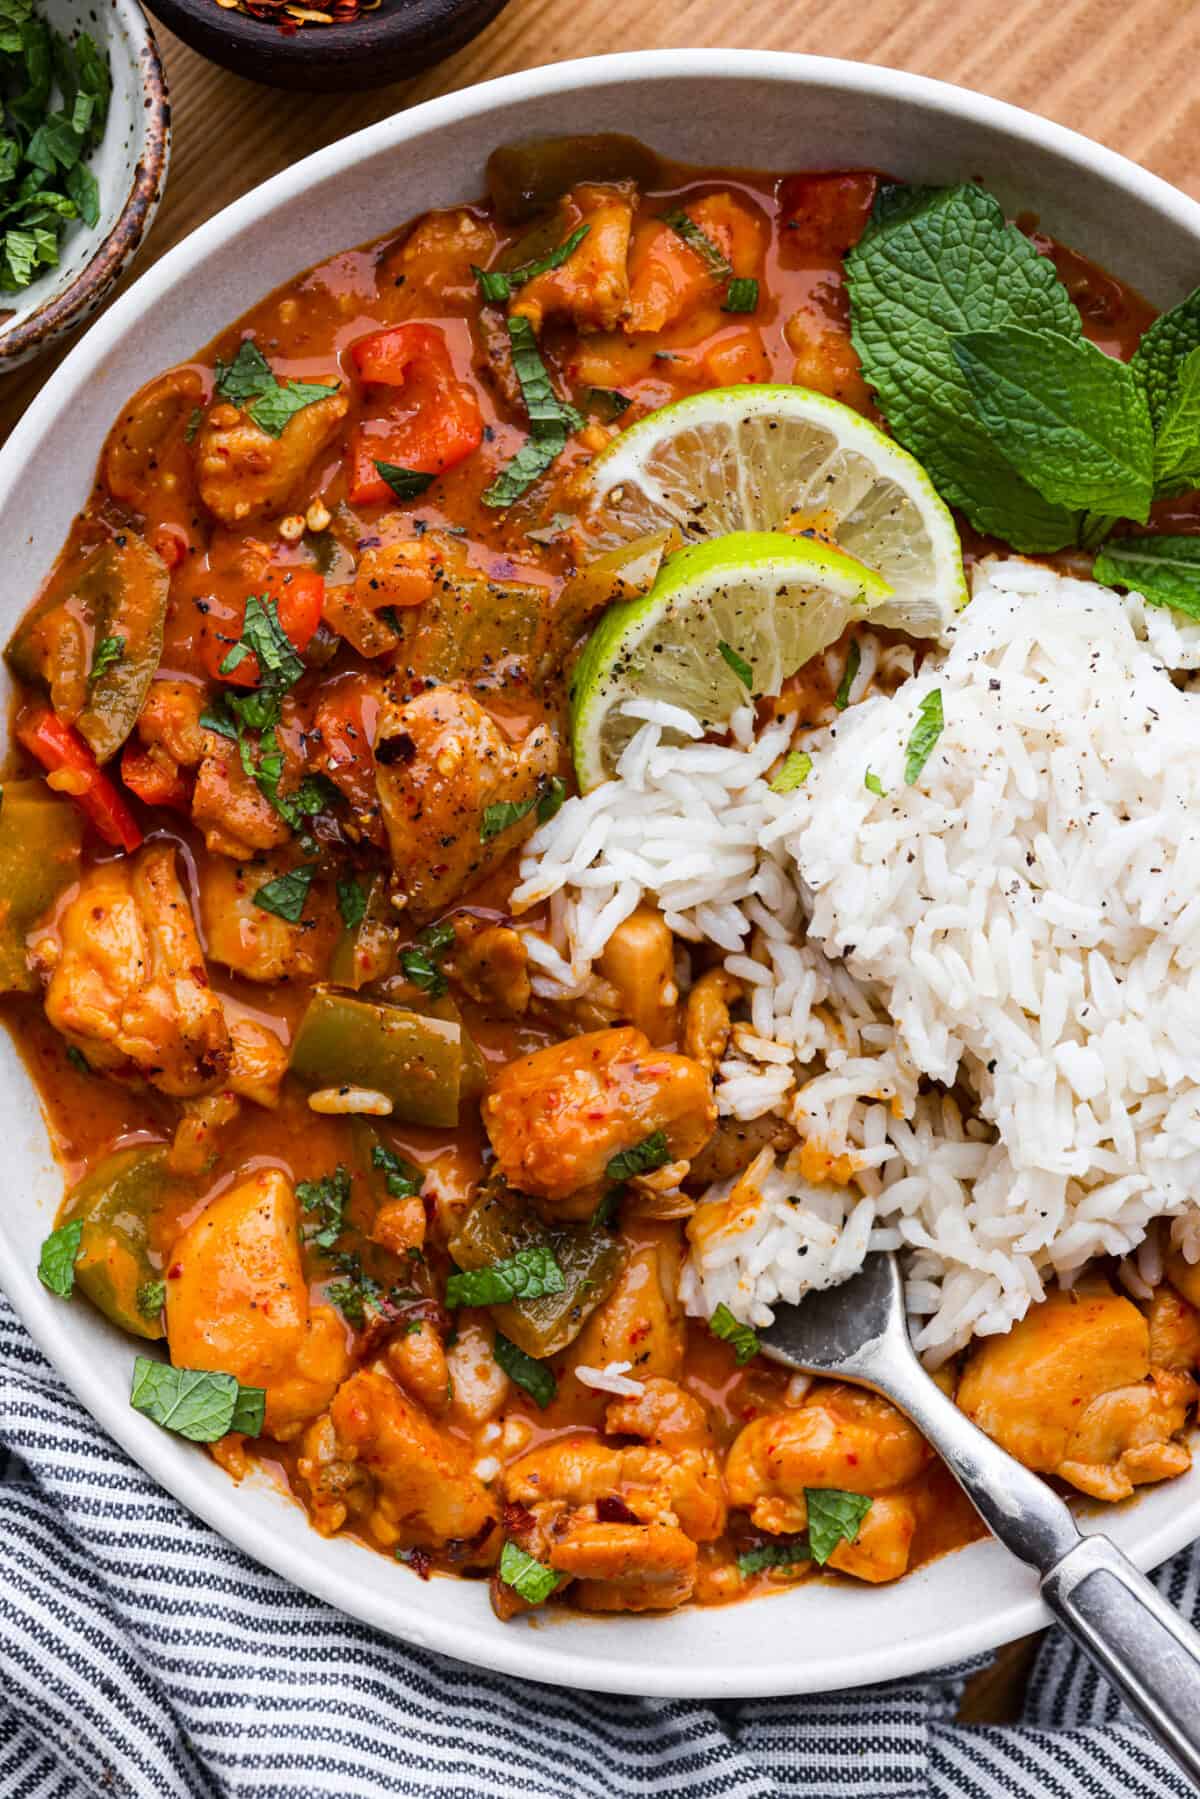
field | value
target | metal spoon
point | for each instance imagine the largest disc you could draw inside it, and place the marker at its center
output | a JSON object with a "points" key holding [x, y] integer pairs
{"points": [[858, 1332]]}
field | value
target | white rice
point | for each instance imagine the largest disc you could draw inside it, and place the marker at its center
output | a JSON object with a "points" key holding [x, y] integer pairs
{"points": [[1022, 924], [612, 1378]]}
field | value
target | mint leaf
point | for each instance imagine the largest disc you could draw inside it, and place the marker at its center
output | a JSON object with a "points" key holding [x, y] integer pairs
{"points": [[832, 1517], [652, 1152], [741, 1339], [503, 813], [738, 664], [1073, 420], [797, 766], [1177, 433], [925, 733], [609, 402], [246, 377], [405, 483], [327, 1199], [401, 1178], [56, 1264], [551, 420], [285, 896], [151, 1298], [279, 663], [249, 1411], [552, 799], [713, 258], [274, 408], [1164, 570], [529, 1274], [107, 654], [1165, 347], [498, 284], [250, 382], [352, 902], [526, 1576], [422, 962], [741, 295], [534, 1376], [841, 698], [194, 1403], [932, 262], [785, 1552]]}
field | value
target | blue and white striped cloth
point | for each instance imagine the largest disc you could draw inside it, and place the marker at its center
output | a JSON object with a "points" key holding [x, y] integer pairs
{"points": [[141, 1656]]}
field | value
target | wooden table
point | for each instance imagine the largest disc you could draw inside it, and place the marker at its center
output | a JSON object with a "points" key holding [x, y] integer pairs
{"points": [[1118, 70]]}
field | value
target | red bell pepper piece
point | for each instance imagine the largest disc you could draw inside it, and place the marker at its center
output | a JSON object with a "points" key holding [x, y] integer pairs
{"points": [[431, 422], [56, 746], [823, 215], [299, 595], [154, 783]]}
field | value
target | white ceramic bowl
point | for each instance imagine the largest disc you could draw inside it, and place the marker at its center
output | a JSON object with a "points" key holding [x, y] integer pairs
{"points": [[130, 166], [758, 111]]}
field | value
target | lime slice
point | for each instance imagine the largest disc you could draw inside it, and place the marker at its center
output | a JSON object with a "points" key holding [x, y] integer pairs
{"points": [[765, 458], [723, 621]]}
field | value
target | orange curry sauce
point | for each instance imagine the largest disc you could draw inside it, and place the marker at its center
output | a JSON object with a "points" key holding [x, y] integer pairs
{"points": [[793, 232]]}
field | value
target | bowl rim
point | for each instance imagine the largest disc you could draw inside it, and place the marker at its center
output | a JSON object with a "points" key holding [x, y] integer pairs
{"points": [[72, 303], [522, 1654]]}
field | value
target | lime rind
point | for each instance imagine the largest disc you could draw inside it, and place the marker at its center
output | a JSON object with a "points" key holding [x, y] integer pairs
{"points": [[752, 457], [766, 600]]}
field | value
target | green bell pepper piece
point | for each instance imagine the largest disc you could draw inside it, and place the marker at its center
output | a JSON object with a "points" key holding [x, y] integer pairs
{"points": [[118, 598], [417, 1061], [502, 1222], [39, 856], [117, 1201]]}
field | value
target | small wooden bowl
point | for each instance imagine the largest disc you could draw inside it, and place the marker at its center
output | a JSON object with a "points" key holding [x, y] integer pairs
{"points": [[398, 39]]}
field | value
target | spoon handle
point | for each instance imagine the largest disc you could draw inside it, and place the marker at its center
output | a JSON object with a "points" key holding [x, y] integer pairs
{"points": [[1140, 1642], [1148, 1652]]}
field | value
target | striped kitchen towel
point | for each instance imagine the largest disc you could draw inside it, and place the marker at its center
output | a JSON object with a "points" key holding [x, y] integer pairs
{"points": [[142, 1656]]}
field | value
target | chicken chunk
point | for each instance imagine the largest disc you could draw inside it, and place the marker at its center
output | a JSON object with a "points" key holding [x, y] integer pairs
{"points": [[245, 473], [237, 1301], [438, 258], [840, 1437], [556, 1118], [417, 1359], [1071, 1391], [641, 1321], [170, 720], [591, 288], [881, 1549], [623, 1522], [639, 961], [448, 780], [260, 1058], [127, 984], [1174, 1331], [479, 1387], [255, 943], [492, 963], [626, 1567], [421, 1488], [236, 819]]}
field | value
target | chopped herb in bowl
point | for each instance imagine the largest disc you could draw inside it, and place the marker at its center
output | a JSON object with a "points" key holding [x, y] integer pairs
{"points": [[56, 95]]}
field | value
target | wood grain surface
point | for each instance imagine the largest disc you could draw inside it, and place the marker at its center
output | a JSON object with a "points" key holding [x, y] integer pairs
{"points": [[1117, 70]]}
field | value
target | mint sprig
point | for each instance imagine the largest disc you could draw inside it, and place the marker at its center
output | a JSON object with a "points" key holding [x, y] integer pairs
{"points": [[976, 353], [1074, 421], [938, 262], [1164, 570]]}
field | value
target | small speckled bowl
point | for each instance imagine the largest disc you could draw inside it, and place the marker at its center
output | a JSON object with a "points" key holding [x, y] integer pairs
{"points": [[130, 165]]}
